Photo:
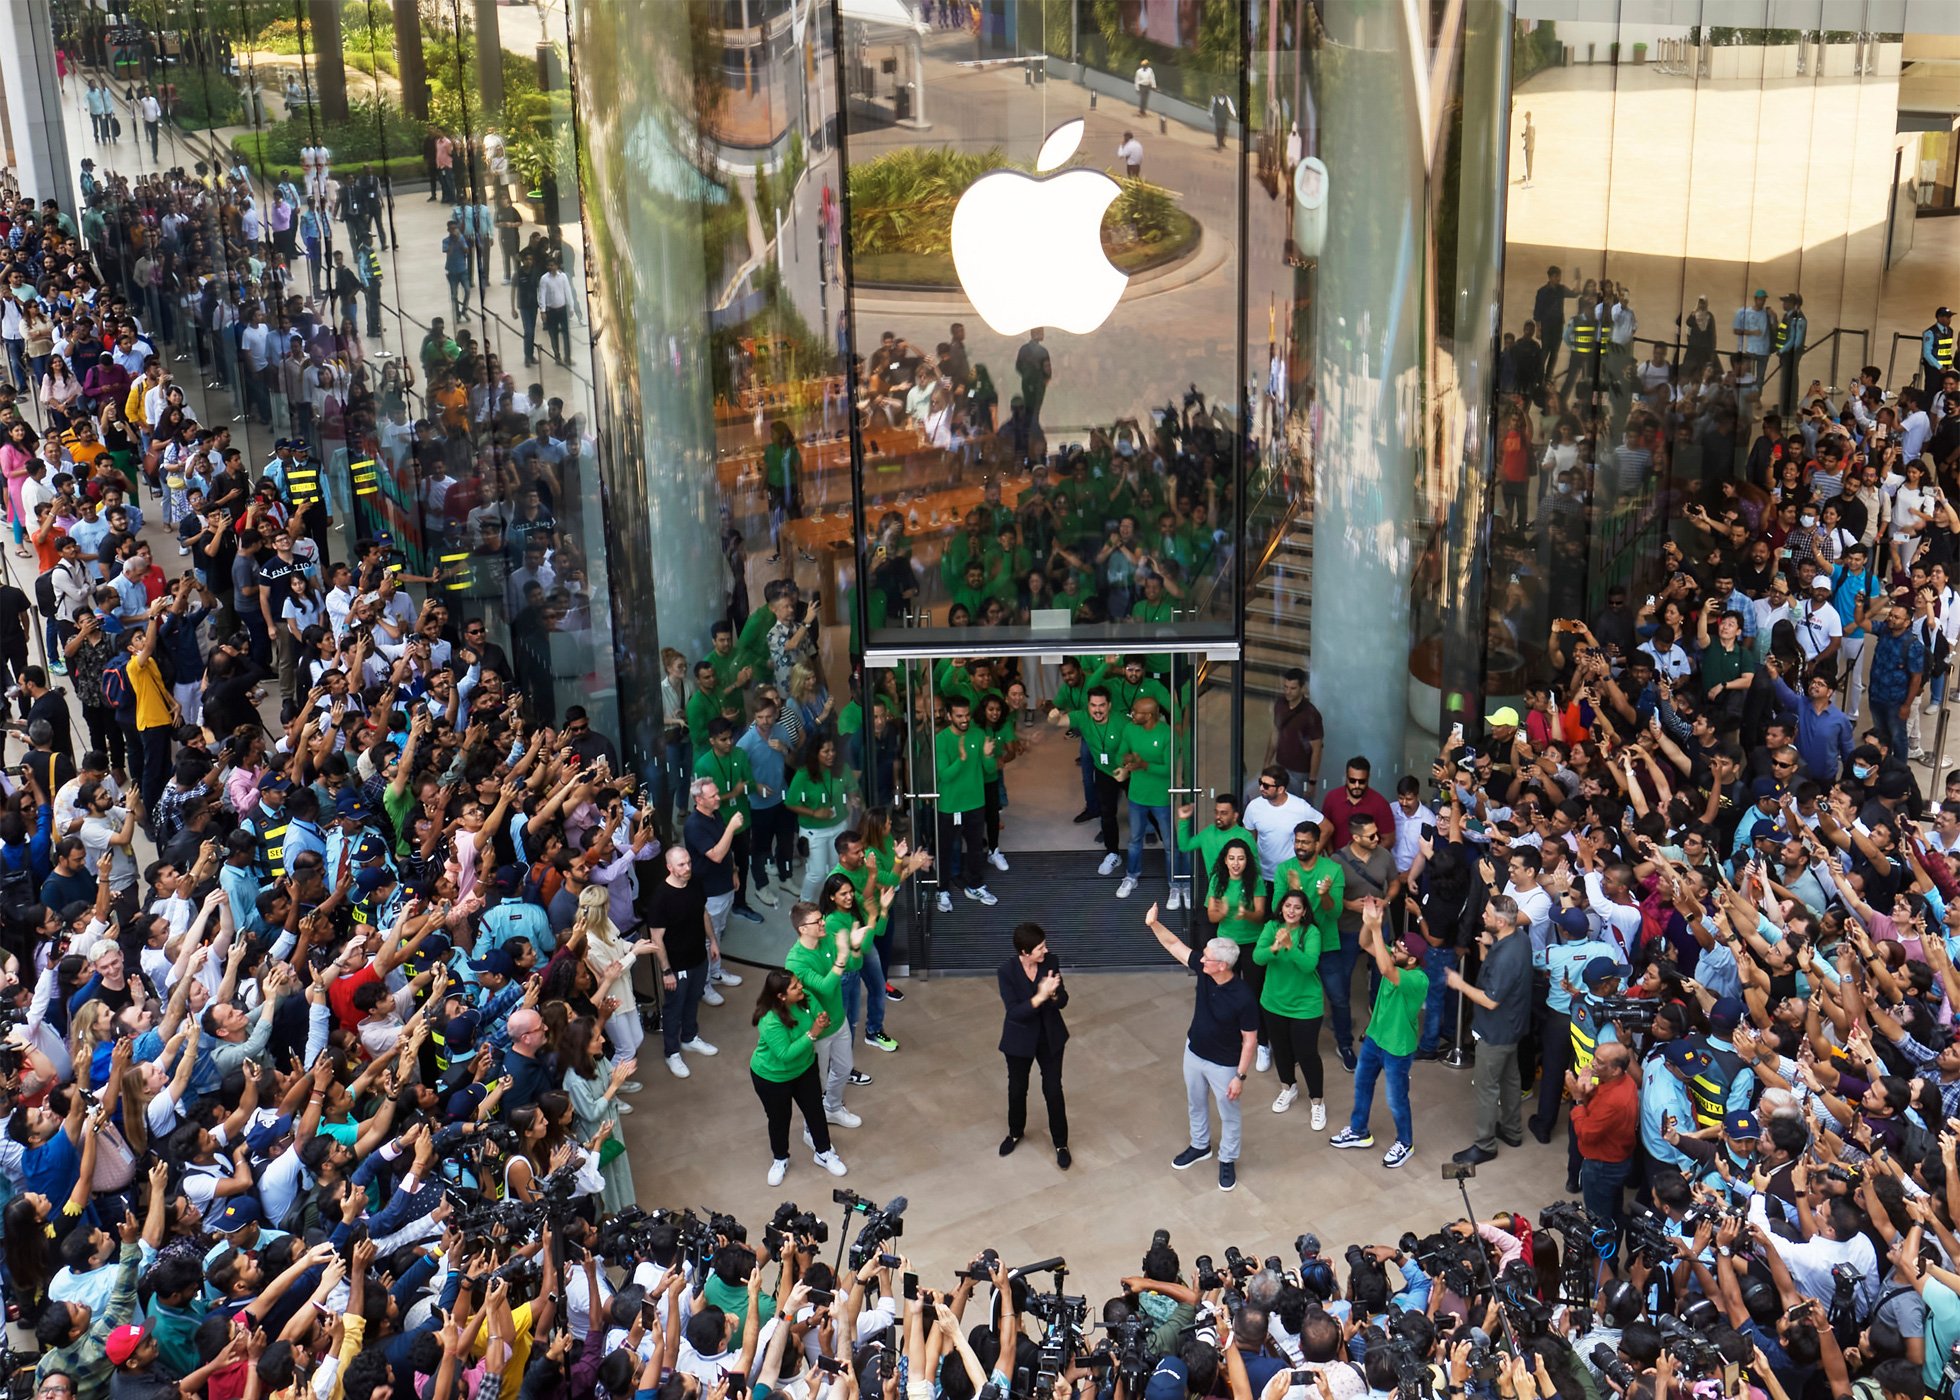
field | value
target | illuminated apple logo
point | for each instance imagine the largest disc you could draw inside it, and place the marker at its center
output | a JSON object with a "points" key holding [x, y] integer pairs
{"points": [[1029, 251]]}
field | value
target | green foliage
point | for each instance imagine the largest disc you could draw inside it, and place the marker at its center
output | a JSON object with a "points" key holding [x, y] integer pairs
{"points": [[775, 192], [206, 100], [902, 201], [1190, 75], [794, 352], [723, 223], [1533, 50], [372, 131]]}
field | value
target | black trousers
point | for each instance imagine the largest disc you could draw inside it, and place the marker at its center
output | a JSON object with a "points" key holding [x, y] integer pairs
{"points": [[739, 853], [1018, 1071], [806, 1093], [1554, 1059], [1255, 978], [969, 836], [1296, 1040], [1108, 793], [773, 834]]}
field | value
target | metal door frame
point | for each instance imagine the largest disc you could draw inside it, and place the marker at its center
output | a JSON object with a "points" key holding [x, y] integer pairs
{"points": [[920, 790]]}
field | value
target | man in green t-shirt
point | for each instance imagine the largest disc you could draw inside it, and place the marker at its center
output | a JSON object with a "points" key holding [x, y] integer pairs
{"points": [[732, 673], [1225, 826], [707, 703], [962, 829], [1317, 875], [1073, 694], [1389, 1048], [1102, 733], [1145, 751]]}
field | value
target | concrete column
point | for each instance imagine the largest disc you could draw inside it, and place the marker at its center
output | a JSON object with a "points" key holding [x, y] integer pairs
{"points": [[1368, 378], [489, 56], [408, 58], [33, 98], [328, 62]]}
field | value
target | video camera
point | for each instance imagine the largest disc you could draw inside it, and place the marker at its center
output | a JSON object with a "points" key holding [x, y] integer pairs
{"points": [[1126, 1350], [1064, 1316], [791, 1222], [1635, 1013], [1452, 1258], [881, 1223]]}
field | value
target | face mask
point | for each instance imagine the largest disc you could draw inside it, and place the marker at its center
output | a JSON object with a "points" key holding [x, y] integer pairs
{"points": [[1860, 771], [1565, 488], [1807, 521]]}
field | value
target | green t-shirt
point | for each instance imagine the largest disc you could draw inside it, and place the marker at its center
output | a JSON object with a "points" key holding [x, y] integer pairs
{"points": [[962, 787], [1002, 737], [733, 1299], [882, 861], [728, 773], [817, 967], [850, 719], [1150, 785], [752, 645], [1143, 610], [784, 1051], [1292, 974], [399, 806], [1103, 739], [702, 708], [1292, 875], [860, 881], [1123, 696], [1240, 923], [1211, 841], [727, 668], [825, 792], [1397, 1017], [837, 924]]}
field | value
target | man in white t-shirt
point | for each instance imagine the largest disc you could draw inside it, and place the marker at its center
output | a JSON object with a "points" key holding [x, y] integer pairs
{"points": [[1819, 629], [1272, 815]]}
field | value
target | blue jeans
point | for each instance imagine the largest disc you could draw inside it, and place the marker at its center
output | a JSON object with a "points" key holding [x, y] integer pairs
{"points": [[1394, 1069], [1437, 962], [1337, 982], [866, 985], [676, 763], [1604, 1188], [1141, 819], [680, 1008], [1885, 719], [1087, 765]]}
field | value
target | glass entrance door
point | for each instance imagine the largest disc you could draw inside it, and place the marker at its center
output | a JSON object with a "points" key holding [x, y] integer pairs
{"points": [[1027, 841]]}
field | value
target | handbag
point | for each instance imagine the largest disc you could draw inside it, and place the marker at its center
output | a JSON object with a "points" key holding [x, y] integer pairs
{"points": [[115, 1163]]}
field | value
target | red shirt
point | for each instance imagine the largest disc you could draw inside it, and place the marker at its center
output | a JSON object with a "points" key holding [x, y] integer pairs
{"points": [[340, 995], [1338, 808], [1607, 1124]]}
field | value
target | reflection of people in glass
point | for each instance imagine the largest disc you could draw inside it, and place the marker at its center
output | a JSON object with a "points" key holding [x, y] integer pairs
{"points": [[781, 462], [1035, 369], [1530, 147]]}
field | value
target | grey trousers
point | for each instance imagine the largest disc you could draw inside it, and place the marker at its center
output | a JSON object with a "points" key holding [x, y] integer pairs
{"points": [[1498, 1095], [1202, 1078], [834, 1062]]}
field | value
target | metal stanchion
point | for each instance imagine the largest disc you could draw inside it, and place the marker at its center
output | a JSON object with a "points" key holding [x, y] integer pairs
{"points": [[1939, 748], [1456, 1059]]}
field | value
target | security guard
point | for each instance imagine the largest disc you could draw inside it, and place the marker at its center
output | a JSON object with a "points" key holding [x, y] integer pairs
{"points": [[1565, 964], [367, 266], [376, 894], [1792, 330], [1936, 349], [267, 823], [513, 916], [1726, 1083], [1587, 335], [306, 494]]}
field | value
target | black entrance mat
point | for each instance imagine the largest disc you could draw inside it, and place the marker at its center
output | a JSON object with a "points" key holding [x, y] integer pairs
{"points": [[1092, 928]]}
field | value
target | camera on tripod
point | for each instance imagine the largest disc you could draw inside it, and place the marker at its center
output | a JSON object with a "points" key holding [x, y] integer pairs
{"points": [[1063, 1315], [791, 1222], [881, 1223]]}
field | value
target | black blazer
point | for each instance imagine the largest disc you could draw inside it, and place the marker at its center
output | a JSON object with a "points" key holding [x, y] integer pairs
{"points": [[1026, 1025]]}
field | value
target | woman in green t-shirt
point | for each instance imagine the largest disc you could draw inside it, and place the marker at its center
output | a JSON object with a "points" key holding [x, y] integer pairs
{"points": [[1236, 905], [1292, 1001], [783, 1069], [816, 795], [993, 723]]}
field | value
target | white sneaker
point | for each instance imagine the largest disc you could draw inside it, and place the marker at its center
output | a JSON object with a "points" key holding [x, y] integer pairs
{"points": [[1265, 1060], [711, 997], [842, 1117], [730, 979], [1127, 888], [622, 1106], [1175, 899], [808, 1141], [1287, 1094], [1319, 1120], [698, 1046], [678, 1066], [997, 860], [1111, 863], [944, 903], [632, 1086], [768, 897], [983, 894], [777, 1169], [831, 1163]]}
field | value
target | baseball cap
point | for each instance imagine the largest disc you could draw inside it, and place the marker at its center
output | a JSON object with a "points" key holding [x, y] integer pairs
{"points": [[1764, 787], [276, 782], [1726, 1013], [1599, 969], [1167, 1382], [509, 877], [352, 806], [237, 1214], [1766, 832], [459, 1031], [263, 1136], [1820, 584], [1573, 921], [1944, 311], [369, 849], [497, 961], [1742, 1124], [1502, 717], [1683, 1056], [1761, 292], [377, 877], [123, 1342]]}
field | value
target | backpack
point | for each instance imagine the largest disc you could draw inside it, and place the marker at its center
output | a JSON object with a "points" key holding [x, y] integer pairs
{"points": [[116, 693]]}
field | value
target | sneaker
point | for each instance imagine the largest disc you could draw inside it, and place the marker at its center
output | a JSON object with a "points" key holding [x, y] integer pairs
{"points": [[632, 1086], [1190, 1157], [678, 1066], [944, 904], [892, 993], [1111, 863], [725, 978], [831, 1163], [1397, 1154], [808, 1141], [1228, 1175], [768, 897], [1318, 1122], [698, 1046], [743, 911], [1347, 1058], [859, 1077], [1265, 1060], [1127, 888], [983, 894], [622, 1107], [777, 1170], [1286, 1097], [842, 1117], [997, 860], [1174, 899], [711, 997], [1348, 1137], [881, 1041], [58, 666], [1087, 814]]}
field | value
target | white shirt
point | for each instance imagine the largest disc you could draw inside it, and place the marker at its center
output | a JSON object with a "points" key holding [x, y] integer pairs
{"points": [[554, 291], [1130, 152], [1816, 630], [1408, 834], [1536, 906], [1273, 823]]}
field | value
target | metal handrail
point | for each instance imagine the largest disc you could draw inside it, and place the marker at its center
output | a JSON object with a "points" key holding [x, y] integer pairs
{"points": [[1892, 358]]}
